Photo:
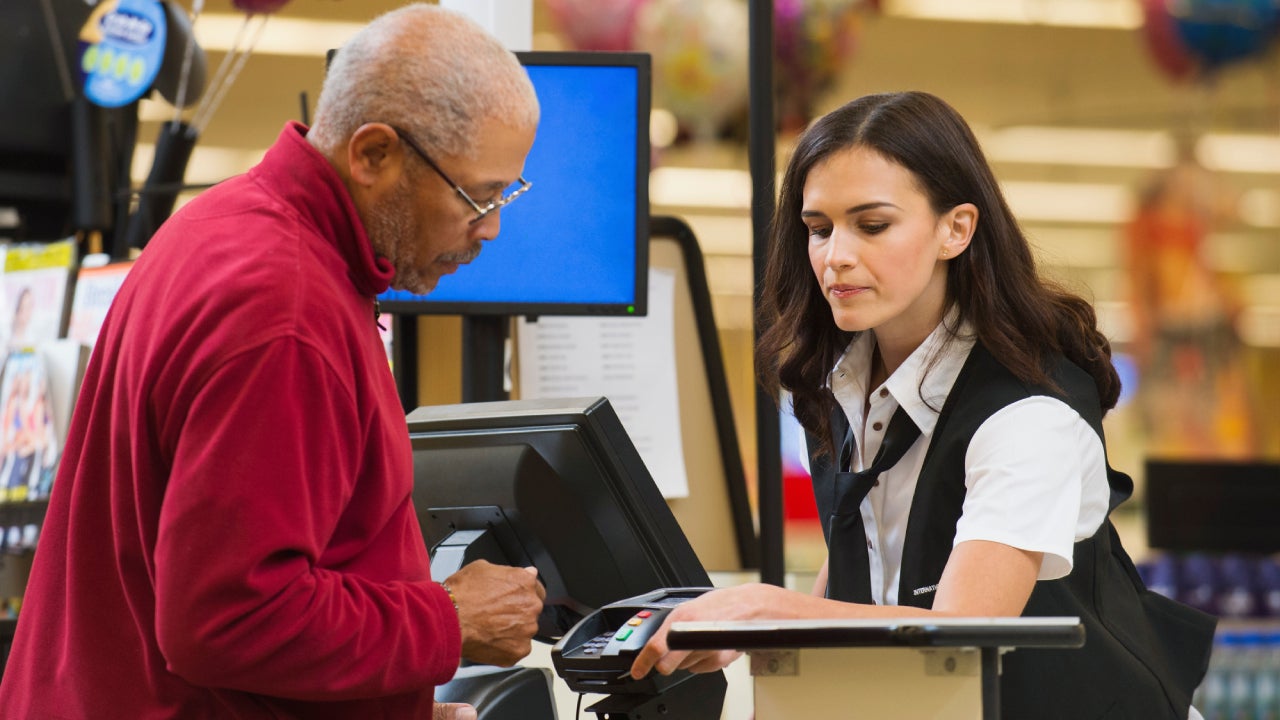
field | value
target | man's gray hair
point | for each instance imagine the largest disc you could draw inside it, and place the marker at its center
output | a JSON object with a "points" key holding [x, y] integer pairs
{"points": [[428, 70]]}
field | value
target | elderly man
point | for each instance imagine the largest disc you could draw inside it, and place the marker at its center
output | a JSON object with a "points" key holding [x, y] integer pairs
{"points": [[231, 533]]}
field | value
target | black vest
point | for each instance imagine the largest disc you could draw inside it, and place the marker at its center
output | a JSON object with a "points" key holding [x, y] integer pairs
{"points": [[1144, 654]]}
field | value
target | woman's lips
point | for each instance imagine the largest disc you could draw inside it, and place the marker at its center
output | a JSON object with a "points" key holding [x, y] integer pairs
{"points": [[845, 291]]}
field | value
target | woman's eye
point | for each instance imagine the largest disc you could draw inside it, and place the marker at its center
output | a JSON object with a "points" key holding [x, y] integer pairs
{"points": [[873, 228], [819, 232]]}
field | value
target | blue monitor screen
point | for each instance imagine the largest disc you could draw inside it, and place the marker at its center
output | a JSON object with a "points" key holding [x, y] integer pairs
{"points": [[577, 242]]}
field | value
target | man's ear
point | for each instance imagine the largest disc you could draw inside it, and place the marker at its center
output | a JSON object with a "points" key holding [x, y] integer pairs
{"points": [[959, 224], [375, 156]]}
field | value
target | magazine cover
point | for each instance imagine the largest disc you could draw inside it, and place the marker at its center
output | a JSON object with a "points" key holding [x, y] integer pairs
{"points": [[36, 281], [28, 439], [96, 288], [64, 362]]}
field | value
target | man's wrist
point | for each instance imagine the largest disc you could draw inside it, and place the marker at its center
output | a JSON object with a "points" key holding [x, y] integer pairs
{"points": [[452, 598]]}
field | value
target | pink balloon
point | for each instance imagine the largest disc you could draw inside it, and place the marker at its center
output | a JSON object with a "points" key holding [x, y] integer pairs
{"points": [[606, 25], [254, 7]]}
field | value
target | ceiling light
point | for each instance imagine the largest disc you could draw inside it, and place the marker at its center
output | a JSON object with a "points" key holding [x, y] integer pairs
{"points": [[700, 187], [1069, 202], [1079, 146], [1240, 153], [684, 187], [1110, 147], [1111, 14]]}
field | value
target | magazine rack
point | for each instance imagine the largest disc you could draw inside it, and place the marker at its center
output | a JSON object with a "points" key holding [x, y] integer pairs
{"points": [[941, 668]]}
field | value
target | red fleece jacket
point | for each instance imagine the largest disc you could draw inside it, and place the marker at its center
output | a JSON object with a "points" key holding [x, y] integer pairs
{"points": [[231, 533]]}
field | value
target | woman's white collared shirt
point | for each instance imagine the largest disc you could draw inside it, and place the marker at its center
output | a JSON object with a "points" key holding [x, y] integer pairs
{"points": [[1035, 471]]}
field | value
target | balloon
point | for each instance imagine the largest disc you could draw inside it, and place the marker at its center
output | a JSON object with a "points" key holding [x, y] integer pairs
{"points": [[253, 7], [699, 50], [1166, 46], [605, 25], [813, 41], [1220, 32], [1190, 37]]}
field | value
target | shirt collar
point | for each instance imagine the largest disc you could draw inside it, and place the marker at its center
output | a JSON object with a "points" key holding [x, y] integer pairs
{"points": [[303, 177], [920, 385]]}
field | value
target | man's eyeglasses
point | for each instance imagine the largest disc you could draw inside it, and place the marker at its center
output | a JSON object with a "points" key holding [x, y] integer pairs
{"points": [[482, 211]]}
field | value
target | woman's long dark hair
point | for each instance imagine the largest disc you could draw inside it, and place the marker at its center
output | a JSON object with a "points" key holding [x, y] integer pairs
{"points": [[1020, 317]]}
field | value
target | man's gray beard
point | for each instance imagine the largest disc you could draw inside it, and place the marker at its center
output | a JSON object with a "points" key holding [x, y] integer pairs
{"points": [[462, 258], [390, 226]]}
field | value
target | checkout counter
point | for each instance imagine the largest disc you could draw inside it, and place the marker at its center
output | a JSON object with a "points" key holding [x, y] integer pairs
{"points": [[939, 668]]}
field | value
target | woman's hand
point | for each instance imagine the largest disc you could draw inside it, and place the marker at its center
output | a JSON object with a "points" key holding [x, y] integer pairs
{"points": [[743, 602]]}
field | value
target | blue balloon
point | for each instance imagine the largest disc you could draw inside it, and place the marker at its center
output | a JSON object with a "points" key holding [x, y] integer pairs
{"points": [[1220, 32]]}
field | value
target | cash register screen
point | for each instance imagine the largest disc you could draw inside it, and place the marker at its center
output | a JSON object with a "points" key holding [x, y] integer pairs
{"points": [[556, 484]]}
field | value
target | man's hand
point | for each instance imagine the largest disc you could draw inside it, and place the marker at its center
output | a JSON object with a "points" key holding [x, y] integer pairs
{"points": [[498, 610], [452, 711]]}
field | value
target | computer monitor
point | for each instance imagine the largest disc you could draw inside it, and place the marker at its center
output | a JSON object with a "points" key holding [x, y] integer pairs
{"points": [[577, 243], [1212, 505], [556, 484]]}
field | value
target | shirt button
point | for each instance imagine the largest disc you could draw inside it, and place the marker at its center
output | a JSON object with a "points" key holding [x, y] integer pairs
{"points": [[877, 426], [869, 545], [884, 392]]}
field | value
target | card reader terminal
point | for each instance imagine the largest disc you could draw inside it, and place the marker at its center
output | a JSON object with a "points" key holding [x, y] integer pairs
{"points": [[595, 656]]}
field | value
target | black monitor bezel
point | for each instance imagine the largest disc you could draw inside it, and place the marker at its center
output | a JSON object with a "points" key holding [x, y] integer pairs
{"points": [[1201, 505], [638, 307], [627, 483]]}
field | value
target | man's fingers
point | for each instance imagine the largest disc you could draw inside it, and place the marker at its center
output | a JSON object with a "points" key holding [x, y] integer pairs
{"points": [[537, 586], [452, 711]]}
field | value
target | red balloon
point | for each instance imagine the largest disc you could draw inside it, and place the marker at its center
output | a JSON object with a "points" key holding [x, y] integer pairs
{"points": [[1162, 38], [253, 7]]}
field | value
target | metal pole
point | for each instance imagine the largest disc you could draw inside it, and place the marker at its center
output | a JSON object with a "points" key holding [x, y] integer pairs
{"points": [[761, 148], [990, 683]]}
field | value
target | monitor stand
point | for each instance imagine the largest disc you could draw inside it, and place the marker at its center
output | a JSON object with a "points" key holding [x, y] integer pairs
{"points": [[484, 347], [484, 353]]}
